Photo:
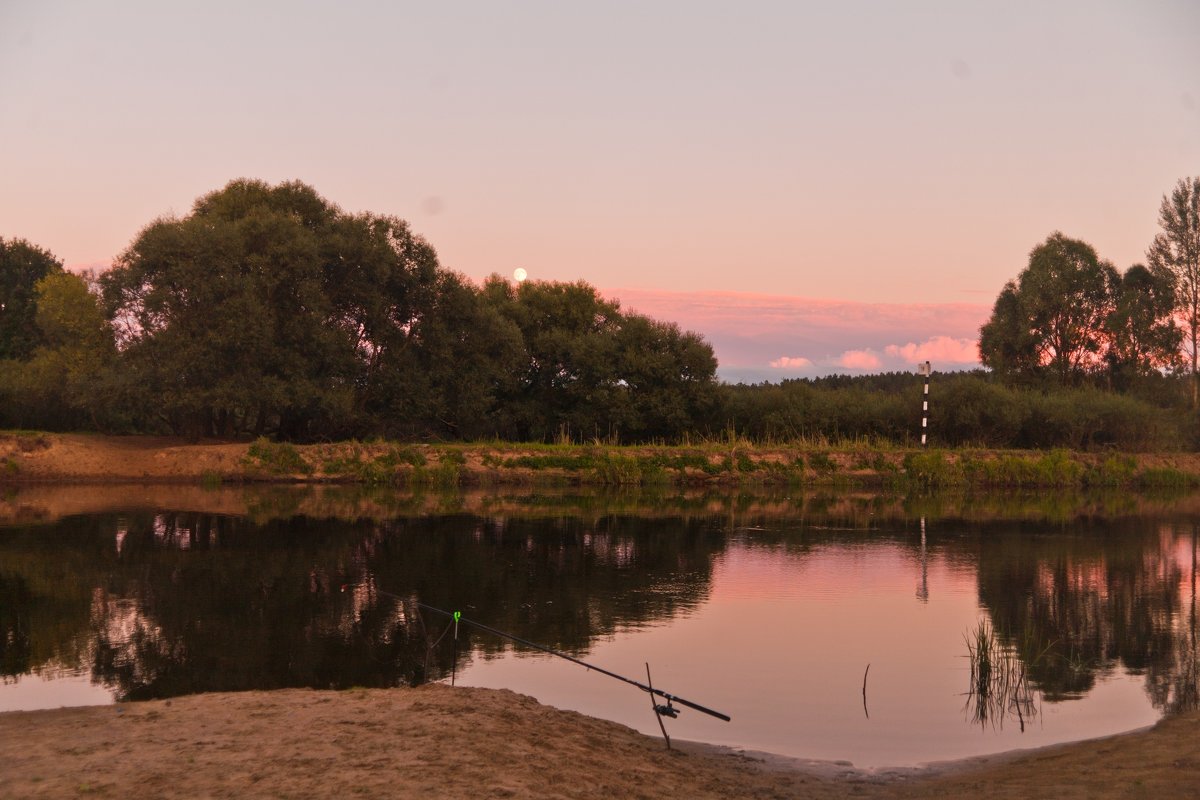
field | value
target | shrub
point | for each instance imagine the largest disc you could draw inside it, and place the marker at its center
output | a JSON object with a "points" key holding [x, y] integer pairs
{"points": [[279, 458]]}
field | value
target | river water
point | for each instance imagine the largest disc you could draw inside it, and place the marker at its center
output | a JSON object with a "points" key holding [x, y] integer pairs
{"points": [[829, 627]]}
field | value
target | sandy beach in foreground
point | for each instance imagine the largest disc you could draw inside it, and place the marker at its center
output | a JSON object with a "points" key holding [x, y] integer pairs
{"points": [[438, 741]]}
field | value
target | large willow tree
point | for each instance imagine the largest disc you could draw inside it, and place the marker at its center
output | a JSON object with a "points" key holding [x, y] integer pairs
{"points": [[266, 308]]}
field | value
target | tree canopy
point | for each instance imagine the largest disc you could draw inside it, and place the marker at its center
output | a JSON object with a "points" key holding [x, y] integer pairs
{"points": [[1176, 249], [589, 370], [1142, 335], [22, 265], [1051, 318], [224, 316], [269, 309], [1070, 314]]}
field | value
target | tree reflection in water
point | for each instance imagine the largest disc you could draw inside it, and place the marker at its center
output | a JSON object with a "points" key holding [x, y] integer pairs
{"points": [[1084, 602], [196, 602], [162, 604]]}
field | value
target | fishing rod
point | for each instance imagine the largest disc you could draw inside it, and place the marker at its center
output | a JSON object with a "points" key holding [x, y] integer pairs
{"points": [[668, 710]]}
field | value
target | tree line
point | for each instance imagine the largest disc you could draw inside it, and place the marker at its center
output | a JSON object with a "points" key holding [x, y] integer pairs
{"points": [[972, 408], [268, 310]]}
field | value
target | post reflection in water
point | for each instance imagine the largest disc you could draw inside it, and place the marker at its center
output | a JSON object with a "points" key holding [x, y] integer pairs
{"points": [[923, 588], [771, 618]]}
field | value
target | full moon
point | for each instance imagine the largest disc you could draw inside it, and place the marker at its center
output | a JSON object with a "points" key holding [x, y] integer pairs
{"points": [[519, 274]]}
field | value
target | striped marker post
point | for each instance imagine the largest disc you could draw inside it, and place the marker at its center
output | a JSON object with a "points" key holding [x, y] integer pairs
{"points": [[925, 369]]}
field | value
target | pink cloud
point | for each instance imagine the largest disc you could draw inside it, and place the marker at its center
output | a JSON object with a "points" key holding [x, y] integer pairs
{"points": [[791, 362], [749, 331], [859, 359], [938, 349]]}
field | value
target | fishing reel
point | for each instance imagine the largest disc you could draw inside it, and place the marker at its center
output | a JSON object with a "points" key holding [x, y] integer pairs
{"points": [[667, 711]]}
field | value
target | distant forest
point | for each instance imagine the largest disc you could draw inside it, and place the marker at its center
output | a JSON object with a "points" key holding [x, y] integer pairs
{"points": [[269, 311]]}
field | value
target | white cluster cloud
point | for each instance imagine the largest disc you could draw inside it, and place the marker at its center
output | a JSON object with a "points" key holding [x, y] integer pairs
{"points": [[859, 359], [939, 349], [791, 362]]}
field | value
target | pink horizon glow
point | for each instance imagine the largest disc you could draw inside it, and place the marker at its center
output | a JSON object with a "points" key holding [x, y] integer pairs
{"points": [[769, 337], [806, 150]]}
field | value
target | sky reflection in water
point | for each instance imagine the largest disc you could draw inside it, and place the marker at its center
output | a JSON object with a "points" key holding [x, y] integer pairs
{"points": [[782, 645], [771, 620]]}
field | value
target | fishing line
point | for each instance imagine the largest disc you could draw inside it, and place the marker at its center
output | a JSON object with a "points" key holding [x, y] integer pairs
{"points": [[454, 664], [430, 647], [667, 710]]}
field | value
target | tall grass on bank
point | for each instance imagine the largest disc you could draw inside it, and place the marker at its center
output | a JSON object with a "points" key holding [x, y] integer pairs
{"points": [[939, 469], [730, 461]]}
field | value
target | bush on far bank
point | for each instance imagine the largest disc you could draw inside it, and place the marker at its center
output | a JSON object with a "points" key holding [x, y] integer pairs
{"points": [[966, 409]]}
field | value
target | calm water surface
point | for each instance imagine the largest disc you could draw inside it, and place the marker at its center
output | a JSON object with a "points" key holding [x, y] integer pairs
{"points": [[772, 618]]}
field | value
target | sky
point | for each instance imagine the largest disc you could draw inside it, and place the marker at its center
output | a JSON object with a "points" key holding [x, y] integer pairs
{"points": [[816, 187]]}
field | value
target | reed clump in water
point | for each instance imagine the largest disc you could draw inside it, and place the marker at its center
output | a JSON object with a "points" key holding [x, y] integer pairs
{"points": [[999, 684]]}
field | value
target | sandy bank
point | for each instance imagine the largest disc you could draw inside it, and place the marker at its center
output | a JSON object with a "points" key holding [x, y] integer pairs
{"points": [[448, 743]]}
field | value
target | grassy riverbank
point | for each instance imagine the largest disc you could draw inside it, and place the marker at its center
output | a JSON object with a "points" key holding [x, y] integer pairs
{"points": [[48, 457]]}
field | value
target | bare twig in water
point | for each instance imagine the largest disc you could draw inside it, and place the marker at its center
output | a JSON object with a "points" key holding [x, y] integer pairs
{"points": [[868, 669]]}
